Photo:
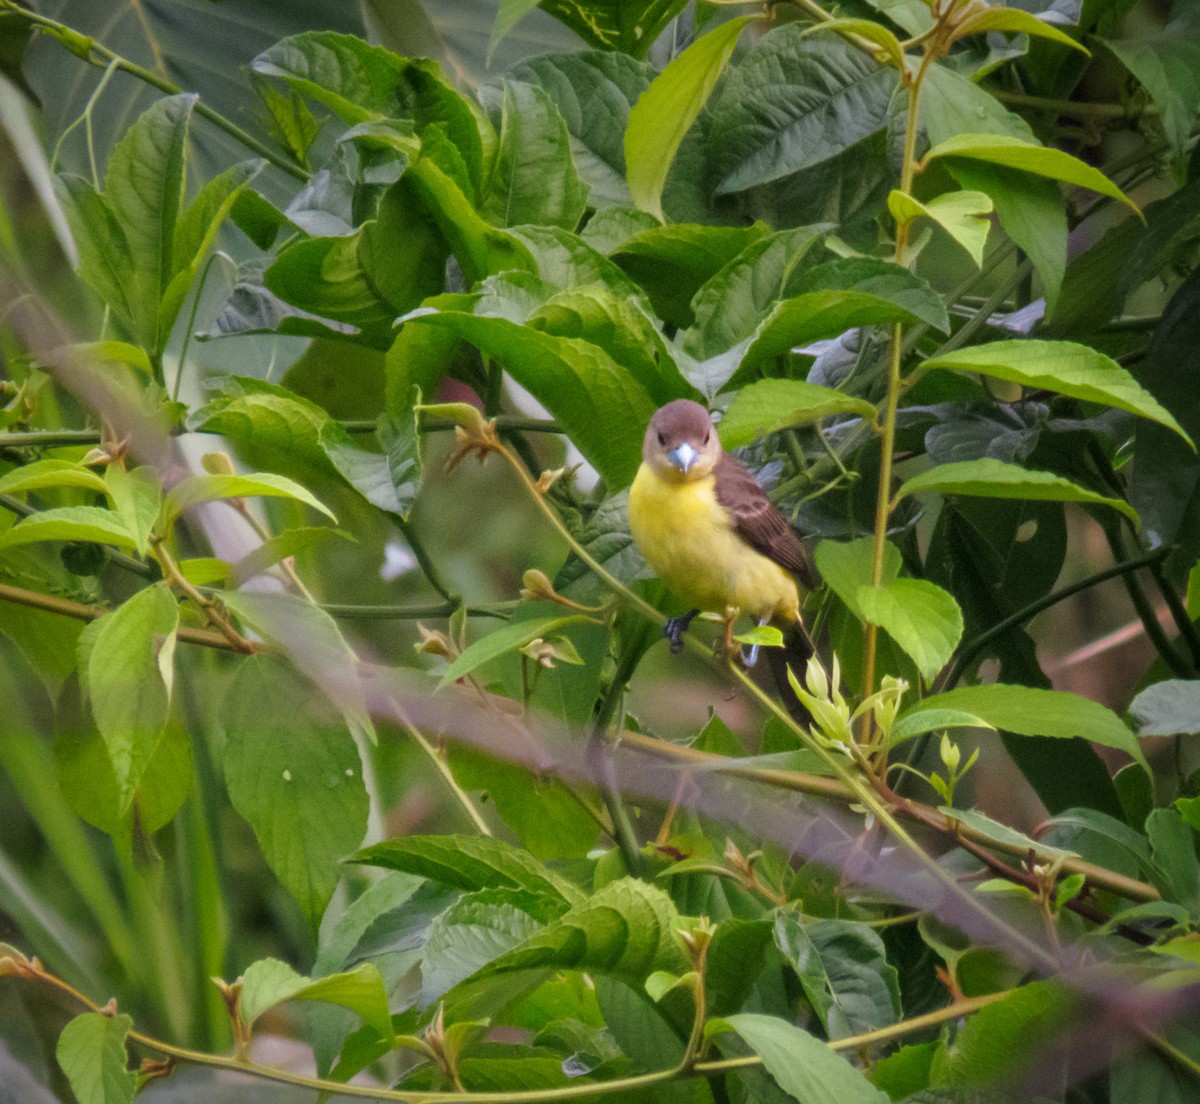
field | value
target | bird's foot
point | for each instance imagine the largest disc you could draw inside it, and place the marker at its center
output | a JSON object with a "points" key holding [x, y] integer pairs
{"points": [[674, 629], [750, 658]]}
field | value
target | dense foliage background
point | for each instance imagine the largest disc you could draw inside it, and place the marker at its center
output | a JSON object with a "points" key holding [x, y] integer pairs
{"points": [[330, 335]]}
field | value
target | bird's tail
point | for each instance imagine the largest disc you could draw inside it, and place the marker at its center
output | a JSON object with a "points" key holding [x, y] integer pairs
{"points": [[797, 649]]}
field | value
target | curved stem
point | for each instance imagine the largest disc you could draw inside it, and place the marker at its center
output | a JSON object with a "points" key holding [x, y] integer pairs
{"points": [[101, 56]]}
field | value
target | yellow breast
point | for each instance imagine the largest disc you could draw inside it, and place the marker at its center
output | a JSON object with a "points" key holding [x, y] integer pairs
{"points": [[688, 539]]}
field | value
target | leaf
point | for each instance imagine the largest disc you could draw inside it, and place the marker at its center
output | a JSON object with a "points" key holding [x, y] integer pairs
{"points": [[290, 542], [508, 15], [932, 720], [126, 666], [194, 489], [801, 1065], [1176, 872], [136, 496], [600, 406], [875, 33], [846, 567], [534, 179], [998, 149], [920, 616], [294, 773], [1168, 708], [70, 523], [509, 638], [792, 103], [1002, 833], [672, 262], [269, 982], [1061, 366], [470, 863], [314, 644], [91, 1052], [771, 405], [1034, 712], [1015, 21], [844, 971], [963, 215], [730, 305], [50, 473], [1165, 64], [594, 91], [667, 109], [988, 478], [632, 27]]}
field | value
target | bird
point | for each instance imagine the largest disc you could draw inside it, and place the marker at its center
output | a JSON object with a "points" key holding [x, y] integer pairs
{"points": [[708, 530]]}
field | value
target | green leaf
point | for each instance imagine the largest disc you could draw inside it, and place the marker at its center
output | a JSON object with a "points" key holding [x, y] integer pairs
{"points": [[1061, 366], [998, 149], [791, 103], [50, 473], [534, 179], [665, 112], [144, 187], [771, 405], [624, 930], [389, 480], [844, 971], [315, 645], [963, 215], [1165, 64], [194, 489], [1035, 712], [766, 636], [1168, 708], [471, 863], [988, 478], [846, 567], [873, 32], [508, 14], [269, 982], [294, 773], [137, 497], [509, 638], [290, 542], [920, 616], [730, 305], [1015, 21], [801, 1065], [598, 403], [632, 26], [1176, 872], [672, 262], [932, 720], [594, 90], [126, 662], [1002, 833], [91, 1052]]}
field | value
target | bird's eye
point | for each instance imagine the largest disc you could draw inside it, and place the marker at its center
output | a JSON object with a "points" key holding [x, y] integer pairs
{"points": [[662, 440], [707, 435]]}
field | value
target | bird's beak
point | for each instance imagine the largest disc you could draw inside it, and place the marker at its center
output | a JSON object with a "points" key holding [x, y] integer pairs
{"points": [[683, 457]]}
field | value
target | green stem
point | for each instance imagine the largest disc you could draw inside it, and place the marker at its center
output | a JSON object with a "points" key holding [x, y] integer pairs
{"points": [[438, 760], [102, 57], [428, 568], [1073, 109]]}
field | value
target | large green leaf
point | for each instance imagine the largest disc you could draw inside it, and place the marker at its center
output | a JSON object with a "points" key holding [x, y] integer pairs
{"points": [[269, 982], [1165, 64], [126, 661], [136, 496], [1061, 366], [91, 1051], [294, 773], [599, 404], [803, 1066], [963, 215], [594, 92], [508, 638], [1029, 711], [990, 478], [51, 473], [534, 179], [1013, 153], [920, 616], [631, 26], [844, 970], [195, 489], [665, 112], [774, 404], [471, 863], [794, 102]]}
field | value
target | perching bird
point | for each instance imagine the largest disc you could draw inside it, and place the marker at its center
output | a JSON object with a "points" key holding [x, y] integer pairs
{"points": [[708, 529]]}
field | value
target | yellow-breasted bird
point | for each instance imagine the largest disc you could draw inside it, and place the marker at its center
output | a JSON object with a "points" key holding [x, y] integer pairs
{"points": [[709, 530]]}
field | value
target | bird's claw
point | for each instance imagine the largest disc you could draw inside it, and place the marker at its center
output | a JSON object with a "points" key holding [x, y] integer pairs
{"points": [[674, 629]]}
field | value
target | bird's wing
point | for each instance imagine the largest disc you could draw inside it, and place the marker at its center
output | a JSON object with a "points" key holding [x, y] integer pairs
{"points": [[758, 522]]}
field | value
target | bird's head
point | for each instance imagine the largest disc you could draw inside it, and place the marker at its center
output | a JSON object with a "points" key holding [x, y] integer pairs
{"points": [[681, 442]]}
